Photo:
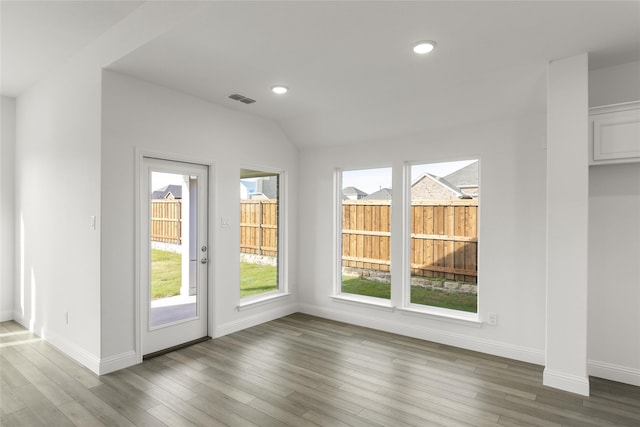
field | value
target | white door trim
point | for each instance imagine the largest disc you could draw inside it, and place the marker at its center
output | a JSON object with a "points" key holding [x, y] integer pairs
{"points": [[139, 156]]}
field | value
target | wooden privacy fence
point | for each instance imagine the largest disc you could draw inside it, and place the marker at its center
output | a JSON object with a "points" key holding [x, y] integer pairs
{"points": [[366, 234], [166, 221], [259, 227], [444, 237]]}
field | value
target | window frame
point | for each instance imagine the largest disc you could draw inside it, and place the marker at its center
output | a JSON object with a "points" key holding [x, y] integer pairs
{"points": [[406, 304], [282, 289], [337, 293], [400, 298]]}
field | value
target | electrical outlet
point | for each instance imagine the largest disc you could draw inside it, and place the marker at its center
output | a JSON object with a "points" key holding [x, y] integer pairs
{"points": [[492, 318]]}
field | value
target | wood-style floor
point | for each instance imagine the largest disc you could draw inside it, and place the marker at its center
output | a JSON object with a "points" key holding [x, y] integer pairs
{"points": [[300, 371]]}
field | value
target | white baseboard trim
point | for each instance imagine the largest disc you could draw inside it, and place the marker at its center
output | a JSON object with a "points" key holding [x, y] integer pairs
{"points": [[95, 364], [567, 382], [18, 317], [496, 348], [79, 354], [247, 322], [6, 315], [609, 371], [117, 362]]}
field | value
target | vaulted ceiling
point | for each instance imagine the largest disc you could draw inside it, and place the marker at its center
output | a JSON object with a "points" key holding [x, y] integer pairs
{"points": [[349, 67], [37, 36]]}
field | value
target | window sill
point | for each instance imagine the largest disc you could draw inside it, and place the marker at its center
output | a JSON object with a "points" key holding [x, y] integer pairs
{"points": [[371, 302], [256, 301], [443, 314]]}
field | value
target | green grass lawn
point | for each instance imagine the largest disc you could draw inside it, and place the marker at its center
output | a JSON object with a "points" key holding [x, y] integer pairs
{"points": [[257, 279], [359, 286], [166, 276], [419, 295]]}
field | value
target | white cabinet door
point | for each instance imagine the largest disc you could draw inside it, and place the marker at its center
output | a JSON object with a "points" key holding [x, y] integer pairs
{"points": [[615, 133]]}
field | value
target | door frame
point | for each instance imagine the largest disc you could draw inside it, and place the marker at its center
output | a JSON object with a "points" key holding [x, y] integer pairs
{"points": [[140, 155]]}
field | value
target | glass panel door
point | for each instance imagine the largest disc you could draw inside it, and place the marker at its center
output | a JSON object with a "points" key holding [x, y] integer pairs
{"points": [[174, 253]]}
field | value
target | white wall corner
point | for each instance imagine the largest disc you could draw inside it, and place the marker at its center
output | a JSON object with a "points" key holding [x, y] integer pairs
{"points": [[7, 207], [567, 382], [613, 372], [80, 355], [117, 362]]}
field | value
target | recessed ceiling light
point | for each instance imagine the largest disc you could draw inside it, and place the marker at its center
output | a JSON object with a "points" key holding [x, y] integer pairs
{"points": [[423, 46], [280, 89]]}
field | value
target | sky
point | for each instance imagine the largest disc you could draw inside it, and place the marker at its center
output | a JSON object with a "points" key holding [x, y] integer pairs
{"points": [[161, 179], [371, 180]]}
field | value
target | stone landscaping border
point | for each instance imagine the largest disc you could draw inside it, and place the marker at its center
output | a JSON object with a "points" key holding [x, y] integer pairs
{"points": [[436, 284]]}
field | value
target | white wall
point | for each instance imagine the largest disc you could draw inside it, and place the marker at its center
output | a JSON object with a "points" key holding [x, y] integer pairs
{"points": [[614, 245], [7, 206], [57, 177], [140, 115], [613, 85], [512, 228], [57, 190], [614, 272]]}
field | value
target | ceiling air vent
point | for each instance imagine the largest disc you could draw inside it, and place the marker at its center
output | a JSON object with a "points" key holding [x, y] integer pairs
{"points": [[242, 98]]}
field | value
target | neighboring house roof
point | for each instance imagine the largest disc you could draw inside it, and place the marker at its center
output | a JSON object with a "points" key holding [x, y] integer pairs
{"points": [[353, 192], [167, 191], [467, 177], [429, 186], [258, 196], [382, 194]]}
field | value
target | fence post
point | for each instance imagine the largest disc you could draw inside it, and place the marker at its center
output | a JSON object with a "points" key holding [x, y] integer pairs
{"points": [[259, 227]]}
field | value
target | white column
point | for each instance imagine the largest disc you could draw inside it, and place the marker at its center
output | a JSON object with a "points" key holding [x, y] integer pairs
{"points": [[7, 207], [567, 225]]}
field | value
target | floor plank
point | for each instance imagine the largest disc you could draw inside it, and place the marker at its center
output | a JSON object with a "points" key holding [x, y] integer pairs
{"points": [[298, 371]]}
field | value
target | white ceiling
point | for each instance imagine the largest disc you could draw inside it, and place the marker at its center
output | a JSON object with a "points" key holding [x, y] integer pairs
{"points": [[36, 36], [351, 73]]}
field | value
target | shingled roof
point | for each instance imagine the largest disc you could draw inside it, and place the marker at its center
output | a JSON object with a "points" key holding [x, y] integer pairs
{"points": [[465, 177], [164, 192], [353, 193], [381, 194]]}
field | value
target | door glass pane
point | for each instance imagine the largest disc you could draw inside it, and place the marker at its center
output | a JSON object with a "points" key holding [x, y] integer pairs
{"points": [[259, 230], [173, 243], [366, 232], [444, 235]]}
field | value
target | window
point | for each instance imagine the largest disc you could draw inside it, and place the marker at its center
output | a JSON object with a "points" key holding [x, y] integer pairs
{"points": [[366, 232], [260, 232], [444, 235]]}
